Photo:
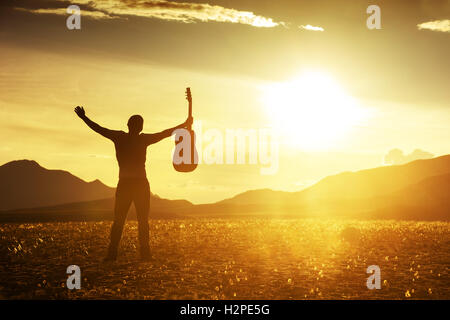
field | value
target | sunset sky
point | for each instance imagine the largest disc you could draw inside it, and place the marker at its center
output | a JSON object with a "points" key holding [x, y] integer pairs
{"points": [[340, 96]]}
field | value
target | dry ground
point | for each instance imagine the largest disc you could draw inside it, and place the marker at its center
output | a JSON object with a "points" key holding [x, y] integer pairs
{"points": [[229, 259]]}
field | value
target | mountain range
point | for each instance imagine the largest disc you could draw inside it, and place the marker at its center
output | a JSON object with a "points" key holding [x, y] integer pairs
{"points": [[25, 184], [29, 192], [417, 190]]}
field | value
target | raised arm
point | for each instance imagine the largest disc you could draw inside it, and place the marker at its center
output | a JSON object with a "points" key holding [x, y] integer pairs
{"points": [[152, 138], [107, 133]]}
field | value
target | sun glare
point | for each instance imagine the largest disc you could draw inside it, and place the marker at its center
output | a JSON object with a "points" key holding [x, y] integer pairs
{"points": [[312, 111]]}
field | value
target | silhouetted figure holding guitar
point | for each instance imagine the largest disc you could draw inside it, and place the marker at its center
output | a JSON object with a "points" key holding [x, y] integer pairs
{"points": [[133, 186]]}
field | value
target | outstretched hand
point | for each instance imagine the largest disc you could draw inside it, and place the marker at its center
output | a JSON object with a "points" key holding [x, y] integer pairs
{"points": [[80, 111]]}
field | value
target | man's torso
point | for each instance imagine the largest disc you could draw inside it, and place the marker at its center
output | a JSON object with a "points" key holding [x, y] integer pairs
{"points": [[131, 151]]}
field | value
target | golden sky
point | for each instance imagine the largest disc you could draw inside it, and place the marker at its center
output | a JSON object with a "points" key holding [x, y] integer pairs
{"points": [[250, 64]]}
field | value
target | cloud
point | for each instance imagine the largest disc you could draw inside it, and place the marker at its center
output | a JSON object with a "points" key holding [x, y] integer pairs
{"points": [[63, 11], [396, 156], [159, 9], [311, 28], [436, 25]]}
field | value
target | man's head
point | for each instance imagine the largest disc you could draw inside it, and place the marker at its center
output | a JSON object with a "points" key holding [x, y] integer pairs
{"points": [[135, 124]]}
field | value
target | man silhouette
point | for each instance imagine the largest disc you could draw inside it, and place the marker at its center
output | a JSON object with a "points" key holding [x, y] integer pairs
{"points": [[133, 186]]}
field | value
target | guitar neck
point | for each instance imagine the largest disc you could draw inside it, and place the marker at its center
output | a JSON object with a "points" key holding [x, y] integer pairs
{"points": [[189, 99]]}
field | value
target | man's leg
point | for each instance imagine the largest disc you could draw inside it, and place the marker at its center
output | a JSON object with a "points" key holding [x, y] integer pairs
{"points": [[142, 205], [122, 204]]}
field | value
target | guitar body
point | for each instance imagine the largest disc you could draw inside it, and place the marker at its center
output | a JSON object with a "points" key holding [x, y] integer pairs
{"points": [[192, 162]]}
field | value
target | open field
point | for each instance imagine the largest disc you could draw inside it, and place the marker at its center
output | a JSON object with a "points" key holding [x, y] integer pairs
{"points": [[247, 258]]}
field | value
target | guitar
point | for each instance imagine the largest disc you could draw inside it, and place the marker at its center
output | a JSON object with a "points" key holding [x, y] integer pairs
{"points": [[191, 163]]}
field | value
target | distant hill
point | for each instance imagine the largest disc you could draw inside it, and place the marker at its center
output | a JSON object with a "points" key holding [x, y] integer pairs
{"points": [[416, 190], [96, 210], [435, 190], [260, 196], [29, 192], [428, 199], [25, 184], [364, 184], [378, 181]]}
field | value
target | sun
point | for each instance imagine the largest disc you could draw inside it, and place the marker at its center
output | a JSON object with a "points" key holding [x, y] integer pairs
{"points": [[312, 111]]}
